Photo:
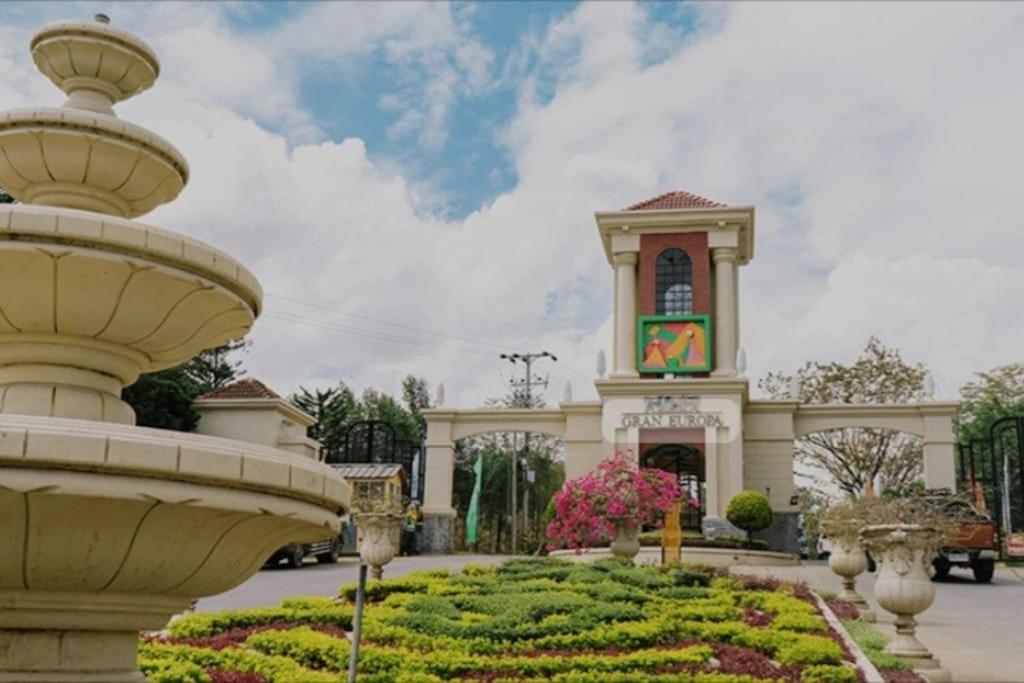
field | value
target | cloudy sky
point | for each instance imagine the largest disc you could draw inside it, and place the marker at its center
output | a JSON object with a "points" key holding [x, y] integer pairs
{"points": [[414, 184]]}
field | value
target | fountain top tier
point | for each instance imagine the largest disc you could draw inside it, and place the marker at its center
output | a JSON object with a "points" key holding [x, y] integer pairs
{"points": [[81, 155]]}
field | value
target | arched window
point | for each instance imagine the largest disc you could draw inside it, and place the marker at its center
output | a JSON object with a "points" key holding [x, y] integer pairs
{"points": [[673, 283]]}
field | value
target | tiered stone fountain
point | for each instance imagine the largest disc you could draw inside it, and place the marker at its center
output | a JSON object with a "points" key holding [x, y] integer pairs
{"points": [[106, 528]]}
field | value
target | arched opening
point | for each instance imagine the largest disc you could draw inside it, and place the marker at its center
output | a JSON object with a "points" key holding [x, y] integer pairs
{"points": [[540, 471], [673, 283], [686, 463], [835, 464]]}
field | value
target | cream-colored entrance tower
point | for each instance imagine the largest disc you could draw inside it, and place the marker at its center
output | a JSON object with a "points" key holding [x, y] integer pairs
{"points": [[107, 528]]}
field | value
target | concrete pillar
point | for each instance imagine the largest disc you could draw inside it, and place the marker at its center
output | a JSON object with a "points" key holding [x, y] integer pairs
{"points": [[625, 315], [711, 502], [725, 311], [938, 446], [438, 513]]}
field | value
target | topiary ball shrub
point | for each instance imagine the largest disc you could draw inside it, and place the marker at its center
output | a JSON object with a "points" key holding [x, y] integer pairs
{"points": [[750, 511]]}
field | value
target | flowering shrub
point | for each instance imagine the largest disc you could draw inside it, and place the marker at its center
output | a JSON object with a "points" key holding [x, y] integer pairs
{"points": [[617, 489]]}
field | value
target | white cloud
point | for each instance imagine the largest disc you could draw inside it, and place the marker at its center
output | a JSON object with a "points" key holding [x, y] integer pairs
{"points": [[878, 142]]}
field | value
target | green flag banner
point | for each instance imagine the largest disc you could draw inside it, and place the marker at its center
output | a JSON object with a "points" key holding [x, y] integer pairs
{"points": [[473, 515]]}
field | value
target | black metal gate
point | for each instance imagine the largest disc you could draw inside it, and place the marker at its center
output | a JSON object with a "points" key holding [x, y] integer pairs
{"points": [[992, 471], [375, 441], [687, 464]]}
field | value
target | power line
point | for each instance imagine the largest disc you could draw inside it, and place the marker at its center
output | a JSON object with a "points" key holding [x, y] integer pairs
{"points": [[368, 334], [379, 321]]}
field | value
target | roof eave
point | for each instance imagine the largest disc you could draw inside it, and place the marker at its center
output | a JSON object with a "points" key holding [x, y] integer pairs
{"points": [[660, 220]]}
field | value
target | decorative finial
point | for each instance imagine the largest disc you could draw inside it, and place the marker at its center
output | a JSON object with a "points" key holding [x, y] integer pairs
{"points": [[439, 398], [567, 396], [602, 366], [101, 18], [741, 360]]}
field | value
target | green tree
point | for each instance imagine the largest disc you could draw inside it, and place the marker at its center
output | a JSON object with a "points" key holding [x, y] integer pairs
{"points": [[750, 511], [990, 397], [214, 368], [164, 400], [333, 408], [5, 198], [416, 395], [853, 458]]}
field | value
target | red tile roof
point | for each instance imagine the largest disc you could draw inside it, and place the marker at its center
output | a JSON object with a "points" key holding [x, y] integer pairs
{"points": [[678, 199], [243, 389]]}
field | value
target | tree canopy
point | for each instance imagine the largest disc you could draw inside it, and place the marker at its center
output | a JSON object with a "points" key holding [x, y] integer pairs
{"points": [[854, 458], [164, 400]]}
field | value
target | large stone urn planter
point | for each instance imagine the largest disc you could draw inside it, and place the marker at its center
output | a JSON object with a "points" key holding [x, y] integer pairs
{"points": [[848, 561], [626, 542], [379, 537], [904, 553]]}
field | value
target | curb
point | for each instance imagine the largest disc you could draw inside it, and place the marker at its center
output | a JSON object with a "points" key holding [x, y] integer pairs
{"points": [[871, 673]]}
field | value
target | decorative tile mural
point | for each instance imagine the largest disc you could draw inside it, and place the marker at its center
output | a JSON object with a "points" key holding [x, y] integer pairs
{"points": [[674, 343]]}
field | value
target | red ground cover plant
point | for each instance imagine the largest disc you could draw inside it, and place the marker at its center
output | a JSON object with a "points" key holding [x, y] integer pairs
{"points": [[843, 609], [755, 617], [895, 676], [217, 676], [236, 636], [740, 660]]}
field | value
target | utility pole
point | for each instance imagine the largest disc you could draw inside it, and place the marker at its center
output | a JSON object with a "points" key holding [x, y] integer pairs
{"points": [[526, 384]]}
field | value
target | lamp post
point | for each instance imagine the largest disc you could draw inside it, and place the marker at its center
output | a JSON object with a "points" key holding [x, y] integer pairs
{"points": [[378, 536]]}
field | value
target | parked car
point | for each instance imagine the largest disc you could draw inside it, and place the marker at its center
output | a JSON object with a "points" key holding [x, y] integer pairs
{"points": [[325, 551], [974, 545]]}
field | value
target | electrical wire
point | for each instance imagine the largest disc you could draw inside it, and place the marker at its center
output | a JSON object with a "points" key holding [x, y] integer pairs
{"points": [[369, 334], [469, 340]]}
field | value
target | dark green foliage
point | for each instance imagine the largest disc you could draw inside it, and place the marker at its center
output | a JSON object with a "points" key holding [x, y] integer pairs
{"points": [[750, 511], [163, 400]]}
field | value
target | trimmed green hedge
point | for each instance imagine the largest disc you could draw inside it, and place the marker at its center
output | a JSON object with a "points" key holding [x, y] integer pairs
{"points": [[526, 620]]}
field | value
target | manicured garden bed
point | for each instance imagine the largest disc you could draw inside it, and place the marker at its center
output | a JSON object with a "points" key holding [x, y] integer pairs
{"points": [[533, 620]]}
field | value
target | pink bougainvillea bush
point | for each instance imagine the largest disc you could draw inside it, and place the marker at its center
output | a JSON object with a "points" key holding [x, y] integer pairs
{"points": [[617, 489]]}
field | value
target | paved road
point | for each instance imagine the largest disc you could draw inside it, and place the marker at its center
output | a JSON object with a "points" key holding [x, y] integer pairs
{"points": [[268, 586], [976, 630]]}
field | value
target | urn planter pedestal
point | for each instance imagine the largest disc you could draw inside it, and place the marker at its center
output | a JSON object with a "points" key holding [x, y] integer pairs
{"points": [[626, 543], [379, 539], [848, 561], [904, 553]]}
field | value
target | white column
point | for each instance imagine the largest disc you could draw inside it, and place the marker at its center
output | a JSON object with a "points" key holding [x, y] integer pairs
{"points": [[625, 314], [711, 506], [938, 444], [725, 311], [437, 485]]}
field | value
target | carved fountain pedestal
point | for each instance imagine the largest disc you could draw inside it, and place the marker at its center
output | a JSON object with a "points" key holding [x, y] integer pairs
{"points": [[108, 528]]}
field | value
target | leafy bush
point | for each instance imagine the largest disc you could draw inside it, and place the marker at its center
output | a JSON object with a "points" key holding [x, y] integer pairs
{"points": [[829, 674], [750, 511], [171, 671], [811, 650]]}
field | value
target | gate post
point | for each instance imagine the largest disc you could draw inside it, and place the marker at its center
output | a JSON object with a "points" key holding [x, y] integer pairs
{"points": [[939, 461], [438, 513]]}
